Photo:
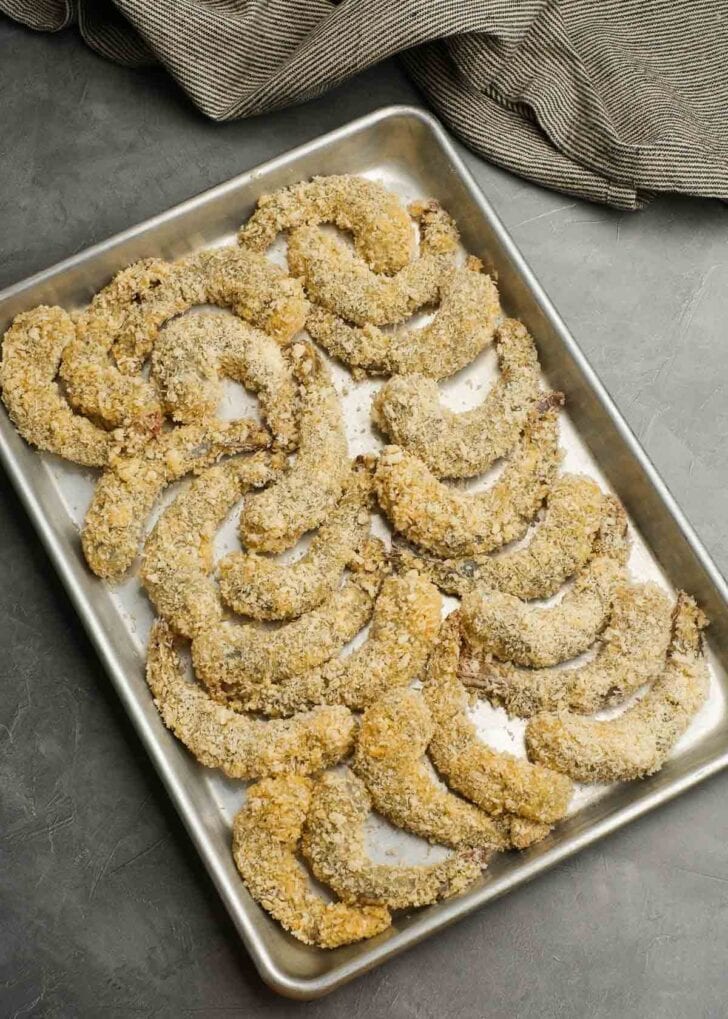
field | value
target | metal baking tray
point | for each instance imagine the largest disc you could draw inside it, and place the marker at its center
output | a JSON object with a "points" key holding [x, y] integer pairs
{"points": [[409, 151]]}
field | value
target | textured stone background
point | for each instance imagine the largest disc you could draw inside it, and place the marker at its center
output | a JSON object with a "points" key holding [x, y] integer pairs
{"points": [[104, 908]]}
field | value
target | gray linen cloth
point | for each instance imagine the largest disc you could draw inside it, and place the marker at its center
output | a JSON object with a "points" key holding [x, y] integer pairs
{"points": [[610, 100]]}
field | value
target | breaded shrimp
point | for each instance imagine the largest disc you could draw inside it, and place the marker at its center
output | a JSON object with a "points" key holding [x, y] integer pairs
{"points": [[266, 836], [176, 567], [450, 522], [194, 352], [231, 656], [637, 742], [241, 747], [516, 631], [561, 545], [376, 218], [31, 355], [275, 519], [631, 652], [341, 282], [257, 586], [497, 782], [408, 410], [94, 385], [404, 626], [131, 484], [248, 283], [463, 325], [333, 845], [388, 758]]}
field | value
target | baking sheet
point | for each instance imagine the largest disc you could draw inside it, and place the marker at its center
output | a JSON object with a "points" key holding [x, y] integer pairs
{"points": [[407, 151]]}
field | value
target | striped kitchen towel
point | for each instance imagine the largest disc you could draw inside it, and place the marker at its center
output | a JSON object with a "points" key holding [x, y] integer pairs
{"points": [[610, 100]]}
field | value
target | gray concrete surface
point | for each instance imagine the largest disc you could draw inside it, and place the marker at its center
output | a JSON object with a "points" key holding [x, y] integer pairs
{"points": [[104, 909]]}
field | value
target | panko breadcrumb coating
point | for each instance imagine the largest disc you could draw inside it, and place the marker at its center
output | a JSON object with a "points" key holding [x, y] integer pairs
{"points": [[94, 385], [341, 282], [194, 352], [131, 484], [451, 522], [560, 546], [231, 656], [257, 586], [176, 567], [497, 782], [408, 410], [374, 215], [389, 759], [404, 626], [244, 281], [241, 747], [516, 631], [333, 845], [463, 325], [31, 355], [631, 652], [266, 837], [637, 742], [275, 519]]}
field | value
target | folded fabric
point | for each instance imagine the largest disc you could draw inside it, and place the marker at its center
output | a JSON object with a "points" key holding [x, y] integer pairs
{"points": [[610, 101]]}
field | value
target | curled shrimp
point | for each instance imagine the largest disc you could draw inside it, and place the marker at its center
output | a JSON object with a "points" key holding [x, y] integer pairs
{"points": [[341, 282], [577, 512], [637, 742], [255, 585], [375, 216], [450, 522], [404, 626], [241, 747], [266, 838], [132, 482], [408, 410], [389, 758], [497, 782], [275, 519], [31, 356], [462, 327], [631, 652], [333, 845], [193, 353]]}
